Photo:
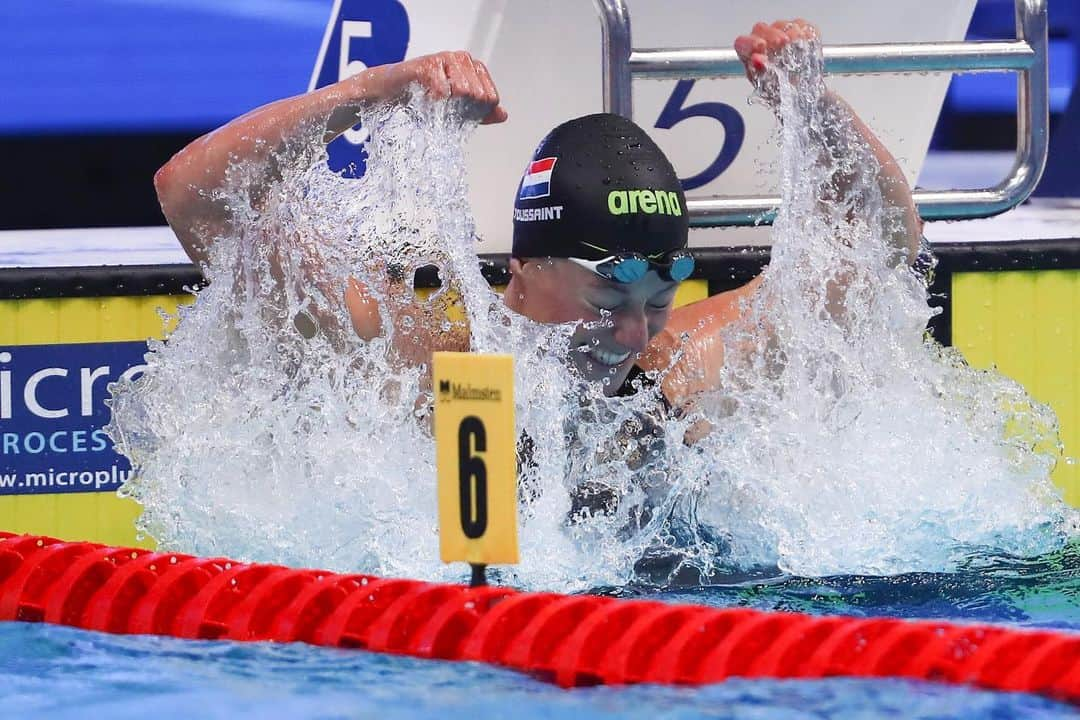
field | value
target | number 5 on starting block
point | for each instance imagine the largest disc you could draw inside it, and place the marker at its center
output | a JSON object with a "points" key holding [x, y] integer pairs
{"points": [[476, 457]]}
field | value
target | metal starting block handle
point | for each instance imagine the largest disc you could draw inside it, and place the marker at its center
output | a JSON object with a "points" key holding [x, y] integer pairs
{"points": [[1026, 55]]}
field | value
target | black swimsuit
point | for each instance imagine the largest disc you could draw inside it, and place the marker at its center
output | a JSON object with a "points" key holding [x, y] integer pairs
{"points": [[643, 431]]}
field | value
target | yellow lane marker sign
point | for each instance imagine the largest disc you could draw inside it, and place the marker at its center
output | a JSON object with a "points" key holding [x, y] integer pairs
{"points": [[476, 458]]}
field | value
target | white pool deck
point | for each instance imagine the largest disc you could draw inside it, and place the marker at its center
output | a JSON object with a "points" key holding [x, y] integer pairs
{"points": [[1036, 220]]}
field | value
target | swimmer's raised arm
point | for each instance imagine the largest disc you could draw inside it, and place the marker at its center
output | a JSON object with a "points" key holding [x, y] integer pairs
{"points": [[766, 41], [186, 183], [695, 362]]}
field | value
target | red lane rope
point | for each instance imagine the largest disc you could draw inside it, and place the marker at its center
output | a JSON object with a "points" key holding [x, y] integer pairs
{"points": [[571, 640]]}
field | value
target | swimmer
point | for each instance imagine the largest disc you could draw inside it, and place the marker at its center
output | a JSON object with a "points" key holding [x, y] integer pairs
{"points": [[600, 223]]}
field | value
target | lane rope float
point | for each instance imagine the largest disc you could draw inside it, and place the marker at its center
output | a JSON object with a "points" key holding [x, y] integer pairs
{"points": [[572, 640]]}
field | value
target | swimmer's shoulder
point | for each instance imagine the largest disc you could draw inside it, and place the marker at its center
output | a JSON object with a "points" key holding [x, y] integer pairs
{"points": [[700, 318], [722, 307], [690, 348], [363, 310], [420, 327]]}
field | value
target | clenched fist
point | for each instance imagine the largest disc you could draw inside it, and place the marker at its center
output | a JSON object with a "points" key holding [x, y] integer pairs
{"points": [[444, 75]]}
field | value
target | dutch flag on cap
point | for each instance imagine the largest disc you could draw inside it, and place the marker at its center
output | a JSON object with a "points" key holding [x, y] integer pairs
{"points": [[537, 180]]}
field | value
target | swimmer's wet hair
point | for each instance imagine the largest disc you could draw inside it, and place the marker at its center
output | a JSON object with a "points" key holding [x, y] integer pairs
{"points": [[598, 185]]}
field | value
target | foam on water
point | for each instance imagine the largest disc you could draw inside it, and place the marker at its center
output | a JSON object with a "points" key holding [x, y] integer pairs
{"points": [[844, 441]]}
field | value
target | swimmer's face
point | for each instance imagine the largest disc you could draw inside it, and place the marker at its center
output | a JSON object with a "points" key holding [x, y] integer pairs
{"points": [[617, 320]]}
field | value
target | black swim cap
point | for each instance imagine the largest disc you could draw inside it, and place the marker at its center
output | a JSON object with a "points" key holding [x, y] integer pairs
{"points": [[597, 186]]}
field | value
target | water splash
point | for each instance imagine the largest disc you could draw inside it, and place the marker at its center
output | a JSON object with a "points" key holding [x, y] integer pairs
{"points": [[850, 441], [844, 441], [253, 438]]}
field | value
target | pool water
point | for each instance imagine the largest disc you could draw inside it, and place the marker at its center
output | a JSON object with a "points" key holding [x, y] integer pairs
{"points": [[1034, 592], [57, 672]]}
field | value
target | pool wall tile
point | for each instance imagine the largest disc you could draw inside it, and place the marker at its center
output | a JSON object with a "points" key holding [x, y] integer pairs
{"points": [[1024, 324]]}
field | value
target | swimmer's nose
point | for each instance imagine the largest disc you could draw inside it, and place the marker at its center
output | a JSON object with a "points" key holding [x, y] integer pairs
{"points": [[632, 331]]}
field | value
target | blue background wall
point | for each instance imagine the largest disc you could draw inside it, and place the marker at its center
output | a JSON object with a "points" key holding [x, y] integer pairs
{"points": [[127, 65]]}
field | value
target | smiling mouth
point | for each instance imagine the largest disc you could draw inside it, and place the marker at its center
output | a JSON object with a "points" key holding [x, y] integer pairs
{"points": [[606, 357]]}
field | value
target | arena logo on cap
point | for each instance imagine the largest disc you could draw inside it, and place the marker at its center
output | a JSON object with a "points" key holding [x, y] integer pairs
{"points": [[650, 202], [537, 180]]}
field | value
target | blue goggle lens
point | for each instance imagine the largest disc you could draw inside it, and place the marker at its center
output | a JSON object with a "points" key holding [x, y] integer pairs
{"points": [[681, 268], [629, 270]]}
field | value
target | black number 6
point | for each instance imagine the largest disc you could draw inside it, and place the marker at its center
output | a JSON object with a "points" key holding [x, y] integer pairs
{"points": [[472, 498]]}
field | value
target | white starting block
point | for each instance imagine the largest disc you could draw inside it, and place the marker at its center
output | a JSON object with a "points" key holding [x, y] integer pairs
{"points": [[547, 59]]}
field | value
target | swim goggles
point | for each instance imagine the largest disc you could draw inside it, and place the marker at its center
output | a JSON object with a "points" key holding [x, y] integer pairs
{"points": [[676, 265]]}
